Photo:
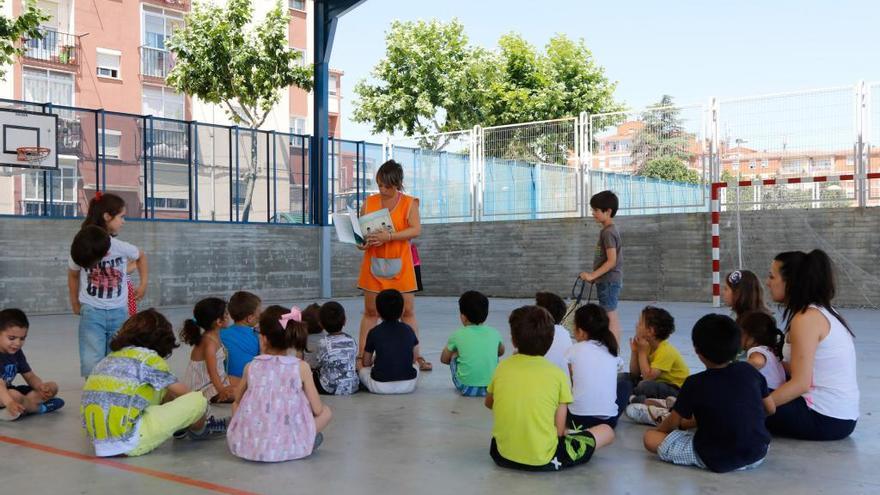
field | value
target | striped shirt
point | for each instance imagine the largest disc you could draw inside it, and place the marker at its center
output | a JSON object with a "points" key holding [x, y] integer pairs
{"points": [[116, 394]]}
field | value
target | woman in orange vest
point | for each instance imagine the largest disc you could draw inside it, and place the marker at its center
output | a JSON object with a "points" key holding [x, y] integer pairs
{"points": [[388, 258]]}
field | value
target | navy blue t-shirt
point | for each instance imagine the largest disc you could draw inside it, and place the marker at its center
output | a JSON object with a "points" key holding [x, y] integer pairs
{"points": [[393, 343], [727, 404], [11, 365]]}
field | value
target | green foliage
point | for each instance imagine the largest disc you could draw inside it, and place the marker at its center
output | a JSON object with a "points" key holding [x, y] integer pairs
{"points": [[670, 168], [663, 135], [432, 80], [13, 31], [222, 57]]}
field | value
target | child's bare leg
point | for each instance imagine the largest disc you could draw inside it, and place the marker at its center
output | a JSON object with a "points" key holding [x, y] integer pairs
{"points": [[653, 439], [603, 434], [323, 419], [31, 401], [16, 397], [234, 381], [614, 325]]}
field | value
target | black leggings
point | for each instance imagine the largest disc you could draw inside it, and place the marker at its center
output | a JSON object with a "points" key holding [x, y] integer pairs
{"points": [[796, 420]]}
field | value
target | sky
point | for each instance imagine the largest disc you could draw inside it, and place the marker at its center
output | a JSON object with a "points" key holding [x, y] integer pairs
{"points": [[688, 49]]}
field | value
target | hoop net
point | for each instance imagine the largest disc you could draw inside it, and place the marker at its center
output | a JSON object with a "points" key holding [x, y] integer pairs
{"points": [[34, 155]]}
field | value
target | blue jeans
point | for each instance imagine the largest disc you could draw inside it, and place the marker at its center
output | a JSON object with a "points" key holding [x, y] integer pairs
{"points": [[97, 327], [608, 294], [465, 390]]}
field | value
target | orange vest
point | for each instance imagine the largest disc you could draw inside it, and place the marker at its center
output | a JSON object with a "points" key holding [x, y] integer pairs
{"points": [[405, 281]]}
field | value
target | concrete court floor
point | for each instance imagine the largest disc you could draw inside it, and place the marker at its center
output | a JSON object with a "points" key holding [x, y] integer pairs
{"points": [[433, 441]]}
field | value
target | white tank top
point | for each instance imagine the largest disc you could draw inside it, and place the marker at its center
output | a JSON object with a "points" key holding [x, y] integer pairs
{"points": [[835, 388], [773, 371]]}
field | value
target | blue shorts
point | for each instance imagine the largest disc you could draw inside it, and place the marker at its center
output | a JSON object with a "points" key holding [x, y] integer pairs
{"points": [[608, 294]]}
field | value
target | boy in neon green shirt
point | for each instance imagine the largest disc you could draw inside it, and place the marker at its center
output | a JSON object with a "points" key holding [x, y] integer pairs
{"points": [[472, 351], [529, 398]]}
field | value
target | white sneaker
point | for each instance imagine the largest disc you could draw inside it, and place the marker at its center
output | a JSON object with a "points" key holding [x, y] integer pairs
{"points": [[646, 415]]}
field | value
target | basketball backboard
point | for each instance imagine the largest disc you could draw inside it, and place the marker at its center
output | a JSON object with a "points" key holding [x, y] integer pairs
{"points": [[19, 128]]}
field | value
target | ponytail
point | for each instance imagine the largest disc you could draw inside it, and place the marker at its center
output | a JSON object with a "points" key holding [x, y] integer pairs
{"points": [[191, 332], [593, 319], [809, 280], [294, 334], [205, 314], [762, 329], [102, 203]]}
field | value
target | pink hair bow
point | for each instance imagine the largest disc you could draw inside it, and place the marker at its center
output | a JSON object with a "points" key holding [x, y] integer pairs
{"points": [[295, 315]]}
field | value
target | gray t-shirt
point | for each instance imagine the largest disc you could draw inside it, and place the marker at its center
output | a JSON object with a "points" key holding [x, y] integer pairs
{"points": [[609, 238]]}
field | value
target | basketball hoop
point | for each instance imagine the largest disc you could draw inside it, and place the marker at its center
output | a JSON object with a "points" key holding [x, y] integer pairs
{"points": [[34, 155]]}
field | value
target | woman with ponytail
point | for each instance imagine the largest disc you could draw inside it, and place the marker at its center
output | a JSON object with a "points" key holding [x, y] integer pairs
{"points": [[820, 401], [277, 414]]}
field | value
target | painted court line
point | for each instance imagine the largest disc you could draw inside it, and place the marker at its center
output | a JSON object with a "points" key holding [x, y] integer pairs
{"points": [[183, 480]]}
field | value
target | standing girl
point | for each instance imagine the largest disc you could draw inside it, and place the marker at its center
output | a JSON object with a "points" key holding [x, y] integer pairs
{"points": [[762, 341], [206, 371], [277, 414], [98, 283], [742, 293], [593, 362]]}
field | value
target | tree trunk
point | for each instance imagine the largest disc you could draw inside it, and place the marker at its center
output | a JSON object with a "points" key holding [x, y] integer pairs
{"points": [[250, 179]]}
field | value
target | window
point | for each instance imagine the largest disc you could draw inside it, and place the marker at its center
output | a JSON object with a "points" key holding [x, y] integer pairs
{"points": [[735, 165], [333, 85], [753, 164], [108, 63], [794, 166], [765, 163], [826, 163], [110, 147], [48, 86], [158, 24], [239, 192], [168, 203], [298, 125], [626, 160], [159, 101], [297, 4], [302, 58], [624, 145], [60, 188]]}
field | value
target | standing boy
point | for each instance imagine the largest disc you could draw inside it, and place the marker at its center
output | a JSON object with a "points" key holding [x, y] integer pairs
{"points": [[607, 271]]}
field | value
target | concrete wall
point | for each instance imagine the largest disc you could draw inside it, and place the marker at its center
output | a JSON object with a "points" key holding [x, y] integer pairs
{"points": [[666, 257], [187, 261]]}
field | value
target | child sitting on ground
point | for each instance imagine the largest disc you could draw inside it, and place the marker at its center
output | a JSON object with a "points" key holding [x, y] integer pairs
{"points": [[593, 362], [37, 397], [277, 414], [131, 403], [240, 339], [727, 403], [561, 336], [657, 369], [528, 397], [763, 342], [473, 350], [312, 318], [206, 371], [392, 345], [337, 353]]}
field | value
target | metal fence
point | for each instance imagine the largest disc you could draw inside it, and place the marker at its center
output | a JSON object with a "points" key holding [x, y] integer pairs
{"points": [[171, 169]]}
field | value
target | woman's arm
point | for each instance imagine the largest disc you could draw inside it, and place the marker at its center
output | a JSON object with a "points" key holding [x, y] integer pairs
{"points": [[143, 275], [806, 331], [414, 230], [367, 359]]}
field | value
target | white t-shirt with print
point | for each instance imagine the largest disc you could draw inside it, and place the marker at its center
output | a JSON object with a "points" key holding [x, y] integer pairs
{"points": [[594, 379], [105, 286]]}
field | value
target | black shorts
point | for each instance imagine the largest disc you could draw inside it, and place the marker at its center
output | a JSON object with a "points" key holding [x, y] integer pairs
{"points": [[571, 450], [419, 287], [22, 389]]}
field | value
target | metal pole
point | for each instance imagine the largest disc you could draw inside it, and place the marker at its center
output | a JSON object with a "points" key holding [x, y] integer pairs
{"points": [[195, 155], [189, 165], [152, 170], [146, 174]]}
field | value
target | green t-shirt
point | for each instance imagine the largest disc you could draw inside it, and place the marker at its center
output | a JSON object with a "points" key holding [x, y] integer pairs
{"points": [[477, 347], [527, 390]]}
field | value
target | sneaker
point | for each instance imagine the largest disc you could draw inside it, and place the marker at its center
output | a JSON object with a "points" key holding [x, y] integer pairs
{"points": [[213, 428], [51, 405], [646, 415], [6, 416], [319, 439], [180, 434]]}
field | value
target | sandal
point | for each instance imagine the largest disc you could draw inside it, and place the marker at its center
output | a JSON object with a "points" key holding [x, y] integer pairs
{"points": [[424, 365]]}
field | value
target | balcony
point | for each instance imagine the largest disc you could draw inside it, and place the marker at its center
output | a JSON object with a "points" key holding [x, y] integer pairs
{"points": [[168, 145], [69, 137], [156, 62], [183, 5], [54, 47]]}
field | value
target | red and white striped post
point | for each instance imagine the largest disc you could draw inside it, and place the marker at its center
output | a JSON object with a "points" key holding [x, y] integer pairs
{"points": [[716, 215]]}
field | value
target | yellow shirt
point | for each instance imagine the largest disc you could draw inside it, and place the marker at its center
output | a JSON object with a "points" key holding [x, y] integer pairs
{"points": [[527, 390], [668, 360]]}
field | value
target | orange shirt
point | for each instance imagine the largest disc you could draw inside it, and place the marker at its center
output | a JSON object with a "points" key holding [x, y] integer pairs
{"points": [[405, 280]]}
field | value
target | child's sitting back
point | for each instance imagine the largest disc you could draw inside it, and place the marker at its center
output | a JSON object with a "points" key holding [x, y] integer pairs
{"points": [[561, 336], [762, 340], [37, 397], [206, 371], [240, 339], [277, 414], [528, 396], [312, 318], [472, 351], [390, 350], [728, 403], [337, 353]]}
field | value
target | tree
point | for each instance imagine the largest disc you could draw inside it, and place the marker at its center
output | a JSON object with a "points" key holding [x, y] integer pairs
{"points": [[13, 31], [223, 57], [662, 135], [432, 80], [670, 168]]}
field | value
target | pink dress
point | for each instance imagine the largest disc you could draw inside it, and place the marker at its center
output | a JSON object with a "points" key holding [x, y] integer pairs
{"points": [[274, 421]]}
